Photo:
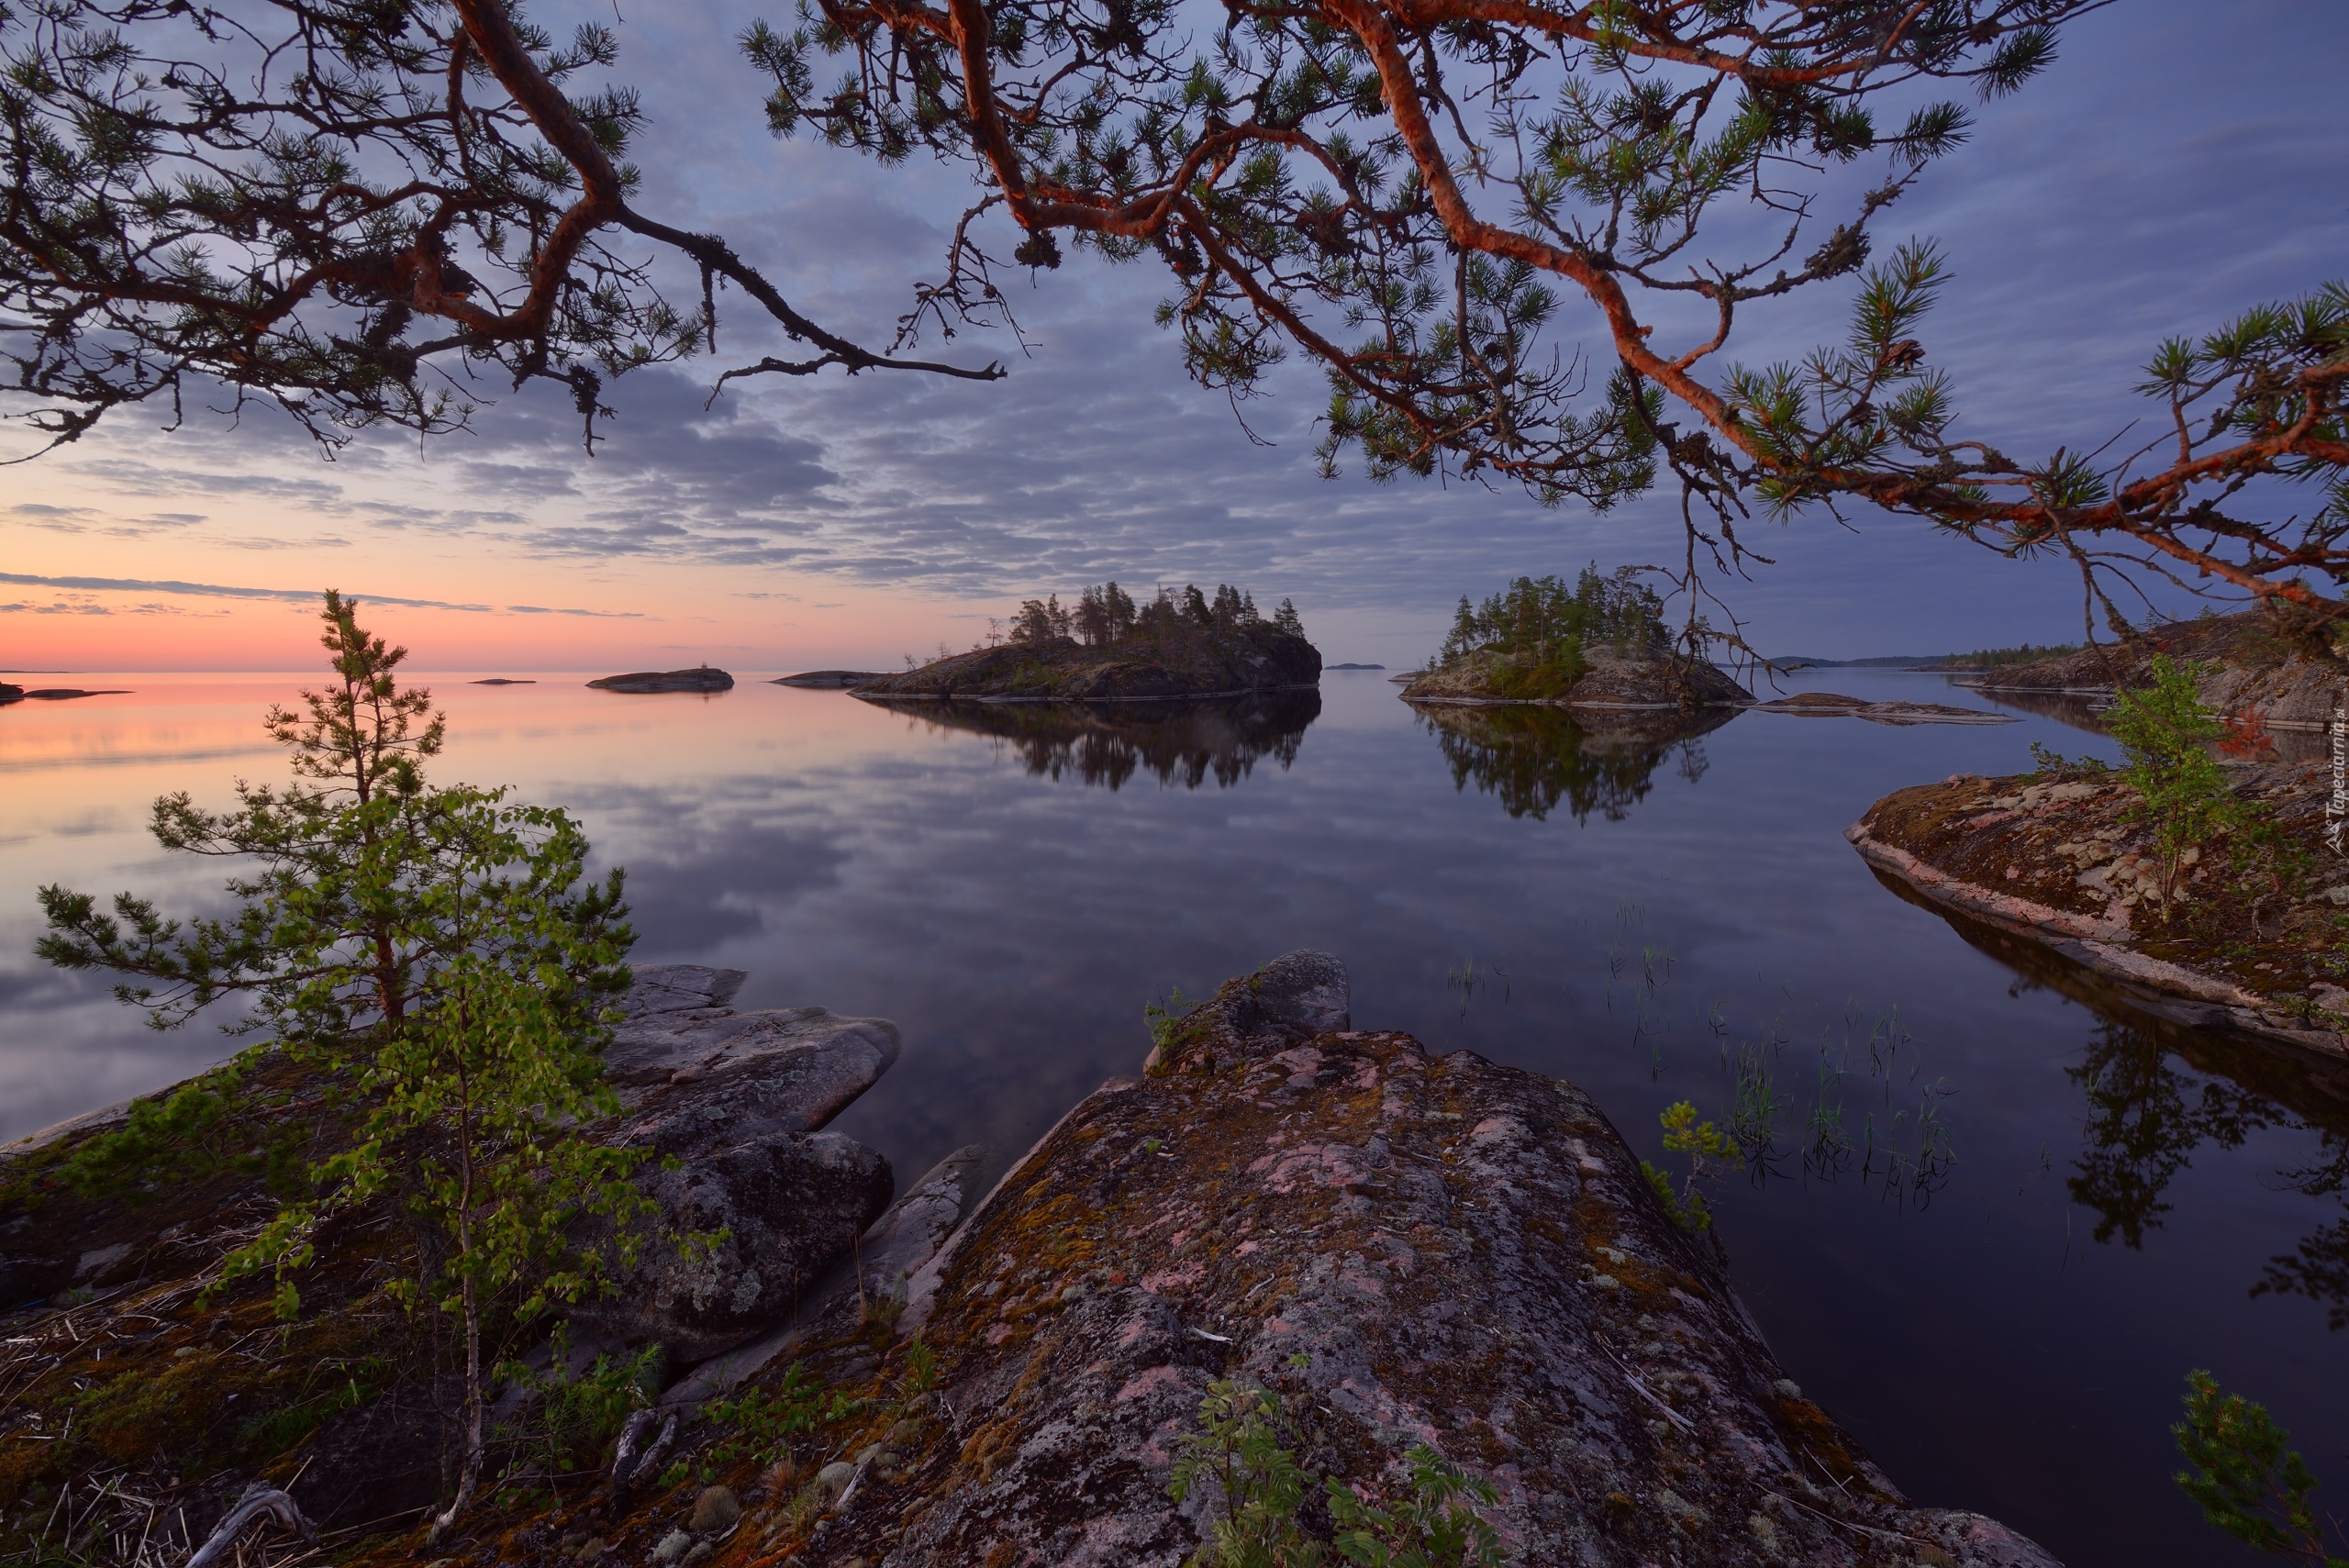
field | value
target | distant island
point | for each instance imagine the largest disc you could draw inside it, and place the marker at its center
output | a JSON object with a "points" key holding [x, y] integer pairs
{"points": [[1108, 649], [9, 694], [704, 678], [510, 681], [1601, 644], [829, 680], [1353, 666]]}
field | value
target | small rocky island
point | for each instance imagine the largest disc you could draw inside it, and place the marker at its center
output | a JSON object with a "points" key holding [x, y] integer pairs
{"points": [[1108, 649], [1394, 1252], [1599, 644], [703, 679]]}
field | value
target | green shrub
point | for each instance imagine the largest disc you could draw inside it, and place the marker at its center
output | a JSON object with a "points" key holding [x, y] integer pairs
{"points": [[1245, 1447], [1702, 1143], [2182, 791], [2247, 1480]]}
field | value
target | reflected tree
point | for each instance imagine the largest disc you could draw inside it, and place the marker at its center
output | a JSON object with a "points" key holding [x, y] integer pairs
{"points": [[2146, 1117], [1535, 759], [2319, 1267], [1179, 743]]}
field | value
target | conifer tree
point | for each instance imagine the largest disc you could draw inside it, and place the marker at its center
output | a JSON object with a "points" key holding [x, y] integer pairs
{"points": [[437, 954]]}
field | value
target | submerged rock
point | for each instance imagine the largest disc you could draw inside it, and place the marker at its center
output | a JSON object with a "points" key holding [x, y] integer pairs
{"points": [[1402, 1248], [1835, 704]]}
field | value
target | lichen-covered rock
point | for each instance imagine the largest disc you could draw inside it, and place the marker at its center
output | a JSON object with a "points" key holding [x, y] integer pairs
{"points": [[1408, 1249]]}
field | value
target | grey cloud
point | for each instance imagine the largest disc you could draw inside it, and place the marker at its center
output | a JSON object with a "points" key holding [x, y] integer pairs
{"points": [[289, 596], [2160, 177]]}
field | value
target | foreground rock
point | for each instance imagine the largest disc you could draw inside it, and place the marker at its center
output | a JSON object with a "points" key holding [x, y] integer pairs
{"points": [[1833, 705], [1600, 677], [702, 680], [1406, 1249], [2254, 663], [1181, 661], [2059, 864], [130, 1371]]}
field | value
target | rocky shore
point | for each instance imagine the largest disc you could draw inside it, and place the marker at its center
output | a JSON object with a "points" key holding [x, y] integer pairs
{"points": [[2251, 664], [1399, 1249], [2060, 864]]}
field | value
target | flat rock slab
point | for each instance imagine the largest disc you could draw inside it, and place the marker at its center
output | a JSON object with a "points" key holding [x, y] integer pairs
{"points": [[1404, 1249], [694, 1072], [1830, 705]]}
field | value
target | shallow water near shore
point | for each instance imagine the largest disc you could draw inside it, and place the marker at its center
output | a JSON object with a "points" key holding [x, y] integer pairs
{"points": [[2020, 1224]]}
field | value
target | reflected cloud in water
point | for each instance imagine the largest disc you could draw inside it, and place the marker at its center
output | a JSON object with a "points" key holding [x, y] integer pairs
{"points": [[1106, 744], [1533, 758]]}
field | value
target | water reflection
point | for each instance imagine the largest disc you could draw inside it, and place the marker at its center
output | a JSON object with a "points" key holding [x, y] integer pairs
{"points": [[1533, 758], [2158, 1094], [1106, 744]]}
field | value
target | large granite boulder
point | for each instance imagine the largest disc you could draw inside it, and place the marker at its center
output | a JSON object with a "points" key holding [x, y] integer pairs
{"points": [[772, 1214], [1402, 1248], [730, 1104]]}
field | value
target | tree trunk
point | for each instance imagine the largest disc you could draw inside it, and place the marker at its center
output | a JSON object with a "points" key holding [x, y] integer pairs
{"points": [[469, 1472]]}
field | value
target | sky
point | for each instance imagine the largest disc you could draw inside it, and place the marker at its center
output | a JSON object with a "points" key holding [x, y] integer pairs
{"points": [[2178, 163]]}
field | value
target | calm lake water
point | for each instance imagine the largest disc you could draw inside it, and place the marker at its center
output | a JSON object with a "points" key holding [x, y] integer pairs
{"points": [[2033, 1220]]}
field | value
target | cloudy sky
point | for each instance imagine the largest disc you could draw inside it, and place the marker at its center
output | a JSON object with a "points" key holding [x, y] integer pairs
{"points": [[2180, 161]]}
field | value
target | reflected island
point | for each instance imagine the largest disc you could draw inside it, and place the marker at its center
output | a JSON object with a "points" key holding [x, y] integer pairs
{"points": [[1180, 742]]}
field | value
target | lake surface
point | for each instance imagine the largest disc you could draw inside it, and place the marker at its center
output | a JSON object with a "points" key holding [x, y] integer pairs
{"points": [[2033, 1220]]}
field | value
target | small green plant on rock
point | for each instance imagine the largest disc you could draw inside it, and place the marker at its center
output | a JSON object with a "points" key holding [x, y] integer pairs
{"points": [[1702, 1143], [2248, 1481], [578, 1412], [2182, 790], [1245, 1447]]}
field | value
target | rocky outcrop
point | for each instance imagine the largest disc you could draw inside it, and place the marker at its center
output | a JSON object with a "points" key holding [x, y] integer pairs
{"points": [[1833, 705], [1401, 1249], [2253, 664], [1601, 675], [2066, 865], [701, 680], [1183, 661]]}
